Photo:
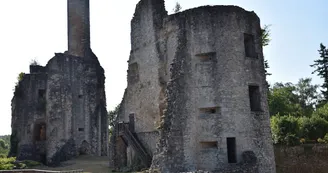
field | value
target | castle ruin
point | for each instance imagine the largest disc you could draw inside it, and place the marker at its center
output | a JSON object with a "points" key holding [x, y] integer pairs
{"points": [[197, 93], [59, 110]]}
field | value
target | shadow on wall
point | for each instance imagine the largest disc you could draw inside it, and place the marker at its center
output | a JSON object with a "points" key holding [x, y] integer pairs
{"points": [[307, 158]]}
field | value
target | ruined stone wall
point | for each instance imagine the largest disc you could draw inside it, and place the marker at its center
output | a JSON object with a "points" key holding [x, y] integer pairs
{"points": [[76, 112], [28, 109], [210, 71], [194, 70], [73, 108], [308, 158]]}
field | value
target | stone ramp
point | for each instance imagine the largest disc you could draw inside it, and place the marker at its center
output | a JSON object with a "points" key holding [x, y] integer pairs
{"points": [[90, 164]]}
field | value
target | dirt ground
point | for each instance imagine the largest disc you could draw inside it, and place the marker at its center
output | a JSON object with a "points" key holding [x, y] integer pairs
{"points": [[87, 163]]}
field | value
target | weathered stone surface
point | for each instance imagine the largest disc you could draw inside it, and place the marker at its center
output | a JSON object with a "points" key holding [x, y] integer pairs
{"points": [[59, 110], [302, 159], [197, 77]]}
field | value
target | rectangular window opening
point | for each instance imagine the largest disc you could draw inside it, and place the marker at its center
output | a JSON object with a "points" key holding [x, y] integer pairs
{"points": [[41, 93], [209, 110], [133, 72], [209, 144], [81, 129], [80, 96], [231, 146], [206, 57], [249, 45], [254, 98]]}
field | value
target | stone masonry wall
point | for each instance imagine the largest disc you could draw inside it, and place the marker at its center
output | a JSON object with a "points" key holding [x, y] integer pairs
{"points": [[76, 109], [221, 82], [308, 158], [73, 108], [185, 63], [28, 109]]}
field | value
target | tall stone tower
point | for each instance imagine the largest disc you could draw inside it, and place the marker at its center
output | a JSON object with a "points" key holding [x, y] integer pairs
{"points": [[197, 93], [78, 24], [59, 110]]}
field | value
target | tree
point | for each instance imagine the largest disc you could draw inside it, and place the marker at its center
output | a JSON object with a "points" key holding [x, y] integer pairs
{"points": [[177, 8], [285, 130], [265, 35], [321, 68], [3, 144], [112, 115], [265, 40], [307, 94], [283, 100]]}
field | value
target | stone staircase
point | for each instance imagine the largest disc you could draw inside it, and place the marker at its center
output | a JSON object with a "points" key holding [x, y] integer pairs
{"points": [[132, 139]]}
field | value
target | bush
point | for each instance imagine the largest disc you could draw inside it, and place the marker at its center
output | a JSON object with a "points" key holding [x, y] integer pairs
{"points": [[7, 166], [314, 128], [31, 163], [285, 130], [7, 163], [322, 112]]}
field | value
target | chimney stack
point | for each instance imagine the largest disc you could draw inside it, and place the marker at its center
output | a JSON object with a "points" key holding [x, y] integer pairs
{"points": [[78, 25]]}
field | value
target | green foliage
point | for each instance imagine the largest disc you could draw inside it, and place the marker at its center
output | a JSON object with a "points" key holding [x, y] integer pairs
{"points": [[293, 99], [11, 163], [7, 163], [321, 68], [265, 40], [283, 100], [4, 146], [112, 115], [322, 112], [19, 78], [265, 35], [285, 130], [31, 163], [314, 128]]}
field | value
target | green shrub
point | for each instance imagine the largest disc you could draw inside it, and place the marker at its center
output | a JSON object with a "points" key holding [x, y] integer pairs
{"points": [[314, 128], [285, 130], [291, 139], [31, 163], [322, 112], [7, 163], [7, 166], [326, 138]]}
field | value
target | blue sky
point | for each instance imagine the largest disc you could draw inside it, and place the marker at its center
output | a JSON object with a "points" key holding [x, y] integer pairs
{"points": [[37, 29]]}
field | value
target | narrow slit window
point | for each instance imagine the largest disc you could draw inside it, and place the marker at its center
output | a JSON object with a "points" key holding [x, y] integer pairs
{"points": [[206, 57], [231, 147], [133, 73], [254, 98], [209, 110], [81, 129], [249, 45], [209, 144]]}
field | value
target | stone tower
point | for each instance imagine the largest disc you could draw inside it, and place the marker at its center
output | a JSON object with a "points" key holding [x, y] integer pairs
{"points": [[59, 110], [197, 88], [78, 23]]}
